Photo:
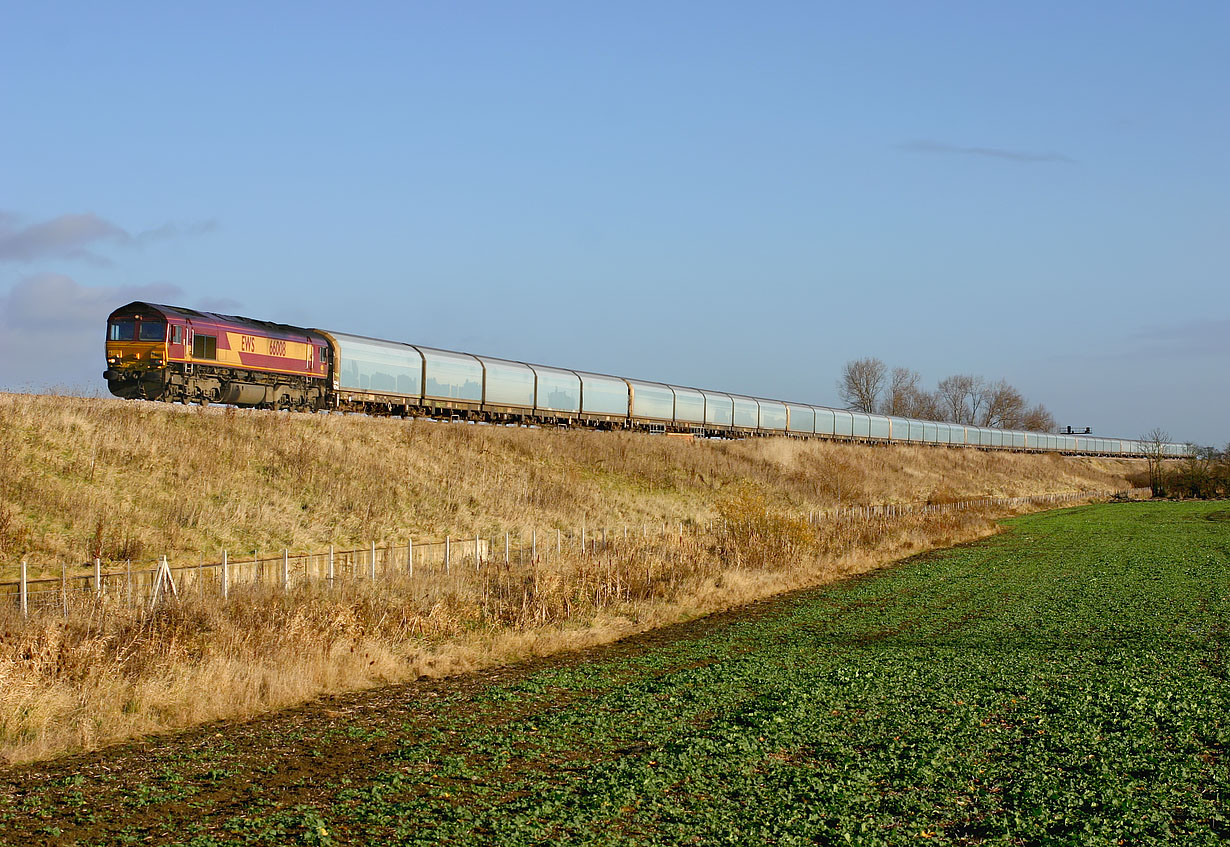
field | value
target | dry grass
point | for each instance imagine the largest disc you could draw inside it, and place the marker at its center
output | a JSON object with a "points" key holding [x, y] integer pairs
{"points": [[122, 480], [128, 479]]}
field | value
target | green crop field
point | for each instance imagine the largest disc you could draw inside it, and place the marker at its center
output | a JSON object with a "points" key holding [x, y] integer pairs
{"points": [[1063, 683]]}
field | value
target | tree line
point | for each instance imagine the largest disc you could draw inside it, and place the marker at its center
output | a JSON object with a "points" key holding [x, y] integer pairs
{"points": [[1203, 474], [867, 385]]}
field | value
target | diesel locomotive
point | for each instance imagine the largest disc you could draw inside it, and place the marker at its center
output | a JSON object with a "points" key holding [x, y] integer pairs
{"points": [[171, 353]]}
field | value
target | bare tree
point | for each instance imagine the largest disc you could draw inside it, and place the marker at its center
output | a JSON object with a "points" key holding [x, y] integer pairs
{"points": [[979, 396], [962, 398], [1005, 407], [903, 391], [927, 406], [1154, 444], [954, 394], [1038, 419], [860, 383]]}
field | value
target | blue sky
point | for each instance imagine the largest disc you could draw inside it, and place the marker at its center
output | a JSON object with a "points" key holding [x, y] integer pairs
{"points": [[736, 196]]}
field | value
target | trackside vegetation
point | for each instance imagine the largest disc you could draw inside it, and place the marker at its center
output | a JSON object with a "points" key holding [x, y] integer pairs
{"points": [[1062, 683]]}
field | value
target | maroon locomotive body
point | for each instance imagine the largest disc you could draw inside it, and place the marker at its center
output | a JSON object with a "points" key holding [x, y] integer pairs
{"points": [[171, 353]]}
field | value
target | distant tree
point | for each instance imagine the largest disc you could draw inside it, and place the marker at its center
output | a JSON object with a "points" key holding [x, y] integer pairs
{"points": [[1005, 407], [962, 398], [1038, 419], [927, 406], [860, 384], [1197, 475], [1221, 469], [959, 397], [979, 396], [902, 395], [1153, 444]]}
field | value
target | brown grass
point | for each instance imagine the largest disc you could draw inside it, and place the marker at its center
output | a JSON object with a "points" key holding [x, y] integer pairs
{"points": [[80, 477]]}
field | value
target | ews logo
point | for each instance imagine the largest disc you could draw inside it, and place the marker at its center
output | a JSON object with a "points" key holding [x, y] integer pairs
{"points": [[276, 347]]}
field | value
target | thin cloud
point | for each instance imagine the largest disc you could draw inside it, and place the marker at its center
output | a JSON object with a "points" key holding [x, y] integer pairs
{"points": [[65, 322], [50, 302], [77, 237], [1206, 337], [986, 152]]}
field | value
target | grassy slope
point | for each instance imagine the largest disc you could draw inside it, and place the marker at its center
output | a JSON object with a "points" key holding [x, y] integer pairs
{"points": [[137, 479], [1064, 683], [80, 478]]}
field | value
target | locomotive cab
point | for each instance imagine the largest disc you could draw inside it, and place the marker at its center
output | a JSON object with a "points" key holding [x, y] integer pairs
{"points": [[136, 352]]}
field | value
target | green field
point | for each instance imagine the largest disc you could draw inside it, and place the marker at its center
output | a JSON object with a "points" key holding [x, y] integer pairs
{"points": [[1063, 683]]}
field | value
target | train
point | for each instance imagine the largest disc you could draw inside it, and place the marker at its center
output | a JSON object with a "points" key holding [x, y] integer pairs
{"points": [[177, 354]]}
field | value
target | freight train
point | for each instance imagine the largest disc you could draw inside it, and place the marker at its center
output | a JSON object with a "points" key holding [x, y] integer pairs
{"points": [[174, 354]]}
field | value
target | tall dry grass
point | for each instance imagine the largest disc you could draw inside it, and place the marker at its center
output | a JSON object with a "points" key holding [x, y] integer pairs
{"points": [[86, 477]]}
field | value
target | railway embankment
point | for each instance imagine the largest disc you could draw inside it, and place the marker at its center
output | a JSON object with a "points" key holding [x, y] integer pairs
{"points": [[114, 480]]}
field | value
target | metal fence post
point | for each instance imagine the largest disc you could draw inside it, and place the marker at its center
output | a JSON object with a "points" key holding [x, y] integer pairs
{"points": [[373, 563], [285, 569], [506, 559], [226, 576], [477, 558], [533, 544], [410, 555], [448, 551], [330, 565], [97, 576], [128, 578], [25, 595], [64, 589], [559, 541]]}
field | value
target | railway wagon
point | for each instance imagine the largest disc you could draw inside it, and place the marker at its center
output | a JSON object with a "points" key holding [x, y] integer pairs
{"points": [[169, 353]]}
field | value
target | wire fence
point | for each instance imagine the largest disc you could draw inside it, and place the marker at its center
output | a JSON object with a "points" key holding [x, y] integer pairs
{"points": [[406, 559]]}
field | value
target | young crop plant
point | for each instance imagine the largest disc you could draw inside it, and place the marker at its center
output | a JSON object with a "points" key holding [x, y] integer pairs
{"points": [[1062, 683]]}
